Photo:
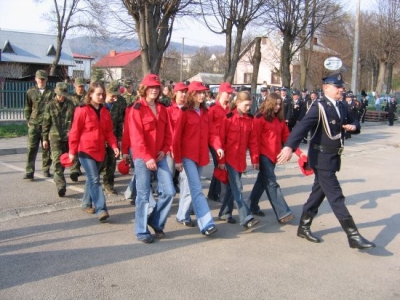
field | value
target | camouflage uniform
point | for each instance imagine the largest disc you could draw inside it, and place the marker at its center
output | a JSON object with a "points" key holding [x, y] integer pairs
{"points": [[117, 111], [77, 99], [129, 98], [34, 108], [57, 120]]}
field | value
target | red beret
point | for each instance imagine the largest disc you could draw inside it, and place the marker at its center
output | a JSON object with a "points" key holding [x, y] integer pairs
{"points": [[197, 86], [123, 167], [221, 175], [65, 161], [180, 86], [151, 80], [225, 87]]}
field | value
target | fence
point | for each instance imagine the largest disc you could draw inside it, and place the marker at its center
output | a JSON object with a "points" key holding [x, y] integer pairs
{"points": [[12, 98]]}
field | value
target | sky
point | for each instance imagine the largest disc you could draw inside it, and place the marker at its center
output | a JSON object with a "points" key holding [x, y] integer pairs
{"points": [[25, 15]]}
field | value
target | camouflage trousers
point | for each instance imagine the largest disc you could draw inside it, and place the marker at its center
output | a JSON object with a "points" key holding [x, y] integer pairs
{"points": [[34, 139], [107, 168], [58, 148]]}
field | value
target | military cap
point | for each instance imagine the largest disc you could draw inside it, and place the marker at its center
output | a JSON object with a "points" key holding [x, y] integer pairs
{"points": [[277, 88], [349, 94], [61, 89], [314, 92], [41, 74], [95, 78], [128, 83], [284, 88], [296, 92], [264, 89], [304, 90], [79, 81], [113, 88], [334, 79]]}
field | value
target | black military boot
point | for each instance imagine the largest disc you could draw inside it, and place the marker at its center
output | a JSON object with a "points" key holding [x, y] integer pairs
{"points": [[355, 239], [304, 228]]}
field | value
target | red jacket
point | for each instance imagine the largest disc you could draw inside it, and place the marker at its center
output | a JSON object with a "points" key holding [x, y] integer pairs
{"points": [[193, 133], [126, 143], [149, 134], [270, 135], [173, 115], [216, 114], [237, 135], [89, 134]]}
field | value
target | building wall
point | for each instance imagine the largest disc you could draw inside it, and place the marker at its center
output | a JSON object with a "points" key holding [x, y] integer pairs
{"points": [[82, 68]]}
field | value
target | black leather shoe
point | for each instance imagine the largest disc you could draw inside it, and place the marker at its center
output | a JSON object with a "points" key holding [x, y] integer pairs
{"points": [[211, 230], [251, 223], [157, 232], [187, 223], [28, 176], [229, 220], [47, 174], [259, 213], [74, 176], [61, 191], [356, 240], [148, 240], [306, 234]]}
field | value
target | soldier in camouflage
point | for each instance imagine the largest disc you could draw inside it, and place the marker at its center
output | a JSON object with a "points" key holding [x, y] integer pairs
{"points": [[116, 104], [57, 120], [78, 97], [36, 99], [129, 93]]}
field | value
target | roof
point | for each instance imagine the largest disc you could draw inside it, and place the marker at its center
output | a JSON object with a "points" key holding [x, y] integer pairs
{"points": [[77, 55], [32, 48], [208, 78], [115, 59]]}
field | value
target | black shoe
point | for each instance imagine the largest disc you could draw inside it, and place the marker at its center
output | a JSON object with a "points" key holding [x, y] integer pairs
{"points": [[28, 176], [74, 176], [61, 191], [148, 240], [157, 232], [304, 228], [251, 223], [187, 223], [47, 174], [259, 213], [211, 230], [229, 220]]}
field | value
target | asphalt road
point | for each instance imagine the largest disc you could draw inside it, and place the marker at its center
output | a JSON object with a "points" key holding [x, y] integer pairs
{"points": [[51, 249]]}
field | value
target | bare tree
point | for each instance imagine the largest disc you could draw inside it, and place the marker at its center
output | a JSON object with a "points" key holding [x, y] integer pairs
{"points": [[297, 21], [231, 17]]}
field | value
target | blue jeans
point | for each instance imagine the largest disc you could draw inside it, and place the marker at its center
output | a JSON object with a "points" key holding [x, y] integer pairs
{"points": [[166, 193], [214, 191], [266, 180], [93, 190], [200, 205], [185, 199], [130, 193], [234, 192]]}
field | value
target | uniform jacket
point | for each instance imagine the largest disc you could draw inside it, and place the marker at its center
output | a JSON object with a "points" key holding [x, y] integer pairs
{"points": [[126, 139], [352, 108], [298, 111], [77, 99], [392, 107], [57, 120], [216, 114], [129, 98], [117, 112], [287, 104], [270, 136], [193, 133], [89, 133], [322, 159], [149, 134], [237, 135], [35, 104]]}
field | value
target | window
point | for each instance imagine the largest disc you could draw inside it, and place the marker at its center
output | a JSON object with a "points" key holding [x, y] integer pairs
{"points": [[51, 51], [247, 77], [8, 48], [275, 78], [78, 73], [79, 62]]}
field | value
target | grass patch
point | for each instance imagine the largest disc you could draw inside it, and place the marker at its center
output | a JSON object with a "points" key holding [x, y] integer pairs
{"points": [[10, 131]]}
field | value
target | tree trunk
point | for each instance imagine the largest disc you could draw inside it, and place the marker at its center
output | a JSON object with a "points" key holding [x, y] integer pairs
{"points": [[381, 76], [256, 60], [389, 77], [285, 62]]}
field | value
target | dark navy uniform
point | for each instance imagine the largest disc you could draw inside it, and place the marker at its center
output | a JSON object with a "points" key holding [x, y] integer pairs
{"points": [[392, 109]]}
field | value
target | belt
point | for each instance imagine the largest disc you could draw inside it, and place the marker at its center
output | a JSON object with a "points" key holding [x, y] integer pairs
{"points": [[328, 149]]}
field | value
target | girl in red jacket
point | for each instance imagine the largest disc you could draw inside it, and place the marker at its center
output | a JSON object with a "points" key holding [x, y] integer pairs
{"points": [[150, 142], [272, 132], [91, 128], [193, 133], [217, 113], [237, 136]]}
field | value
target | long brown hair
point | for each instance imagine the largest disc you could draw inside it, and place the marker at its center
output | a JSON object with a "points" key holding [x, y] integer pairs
{"points": [[92, 87], [267, 108], [190, 102]]}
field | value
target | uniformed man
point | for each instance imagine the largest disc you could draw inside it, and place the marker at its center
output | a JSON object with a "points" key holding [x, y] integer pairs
{"points": [[307, 105], [304, 95], [264, 94], [392, 109], [363, 107], [328, 118], [78, 96], [298, 111], [352, 108], [36, 99], [57, 120], [287, 103], [116, 104], [129, 93]]}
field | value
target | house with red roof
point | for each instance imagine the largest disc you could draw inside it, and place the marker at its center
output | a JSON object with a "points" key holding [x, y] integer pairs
{"points": [[120, 65], [82, 66]]}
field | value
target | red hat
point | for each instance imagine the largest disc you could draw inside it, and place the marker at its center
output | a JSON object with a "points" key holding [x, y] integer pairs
{"points": [[180, 86], [303, 164], [197, 86], [151, 80], [221, 175], [226, 87], [65, 161], [123, 167]]}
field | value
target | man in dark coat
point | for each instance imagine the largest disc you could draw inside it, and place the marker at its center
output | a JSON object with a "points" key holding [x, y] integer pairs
{"points": [[328, 119]]}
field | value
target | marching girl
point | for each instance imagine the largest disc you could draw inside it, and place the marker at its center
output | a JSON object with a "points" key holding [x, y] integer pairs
{"points": [[272, 132], [217, 113], [91, 128], [237, 136], [193, 133], [150, 142]]}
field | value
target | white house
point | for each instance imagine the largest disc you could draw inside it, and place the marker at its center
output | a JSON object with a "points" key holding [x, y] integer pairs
{"points": [[82, 66]]}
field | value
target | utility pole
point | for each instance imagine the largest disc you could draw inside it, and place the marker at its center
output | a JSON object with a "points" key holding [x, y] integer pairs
{"points": [[183, 50], [355, 49]]}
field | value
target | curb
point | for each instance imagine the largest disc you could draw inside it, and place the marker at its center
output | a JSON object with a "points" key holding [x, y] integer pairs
{"points": [[14, 151]]}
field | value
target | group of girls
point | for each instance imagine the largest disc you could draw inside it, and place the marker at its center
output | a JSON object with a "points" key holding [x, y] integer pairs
{"points": [[164, 140]]}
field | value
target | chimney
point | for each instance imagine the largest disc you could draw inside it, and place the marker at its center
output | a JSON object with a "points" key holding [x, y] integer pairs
{"points": [[113, 53], [315, 41]]}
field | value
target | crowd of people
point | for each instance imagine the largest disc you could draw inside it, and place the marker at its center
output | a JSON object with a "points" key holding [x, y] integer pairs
{"points": [[167, 133]]}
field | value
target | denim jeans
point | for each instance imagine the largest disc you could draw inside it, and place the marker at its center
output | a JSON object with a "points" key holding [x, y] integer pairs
{"points": [[214, 191], [266, 180], [93, 191], [166, 193], [130, 193], [185, 199], [200, 205], [234, 192]]}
